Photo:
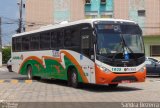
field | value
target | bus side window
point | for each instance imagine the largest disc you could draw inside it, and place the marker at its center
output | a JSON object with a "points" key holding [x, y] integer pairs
{"points": [[53, 40], [86, 33], [18, 44], [67, 38], [60, 38], [25, 43], [13, 44], [72, 37], [34, 43], [45, 40]]}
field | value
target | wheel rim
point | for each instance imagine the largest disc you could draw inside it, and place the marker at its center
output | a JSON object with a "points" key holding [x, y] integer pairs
{"points": [[29, 73], [74, 78]]}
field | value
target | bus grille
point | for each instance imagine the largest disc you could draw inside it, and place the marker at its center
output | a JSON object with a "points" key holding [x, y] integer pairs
{"points": [[123, 78]]}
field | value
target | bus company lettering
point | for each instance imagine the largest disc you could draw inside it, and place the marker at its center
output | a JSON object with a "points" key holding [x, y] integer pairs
{"points": [[55, 53], [18, 57], [116, 69], [129, 69]]}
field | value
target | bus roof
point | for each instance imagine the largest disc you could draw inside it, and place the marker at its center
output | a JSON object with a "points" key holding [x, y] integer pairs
{"points": [[65, 23]]}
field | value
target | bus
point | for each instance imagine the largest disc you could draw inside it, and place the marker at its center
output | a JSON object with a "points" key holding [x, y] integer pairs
{"points": [[96, 51]]}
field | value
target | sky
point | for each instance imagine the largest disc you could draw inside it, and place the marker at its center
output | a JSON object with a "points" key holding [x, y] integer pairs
{"points": [[9, 12]]}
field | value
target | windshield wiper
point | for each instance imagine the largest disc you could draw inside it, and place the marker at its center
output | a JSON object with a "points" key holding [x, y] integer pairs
{"points": [[127, 47]]}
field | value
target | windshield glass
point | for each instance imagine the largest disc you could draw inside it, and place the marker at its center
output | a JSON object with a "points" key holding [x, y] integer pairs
{"points": [[109, 39], [134, 42], [108, 43]]}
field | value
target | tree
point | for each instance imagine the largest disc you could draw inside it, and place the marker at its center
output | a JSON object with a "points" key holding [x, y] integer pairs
{"points": [[6, 54]]}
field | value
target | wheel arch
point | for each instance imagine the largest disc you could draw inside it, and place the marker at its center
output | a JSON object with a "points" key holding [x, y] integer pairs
{"points": [[69, 70]]}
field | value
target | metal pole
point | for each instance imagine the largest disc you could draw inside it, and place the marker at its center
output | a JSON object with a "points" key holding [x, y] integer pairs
{"points": [[98, 1], [20, 15], [0, 44]]}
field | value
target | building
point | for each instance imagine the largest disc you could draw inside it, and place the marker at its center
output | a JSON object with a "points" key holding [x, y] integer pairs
{"points": [[45, 12], [98, 8], [145, 12]]}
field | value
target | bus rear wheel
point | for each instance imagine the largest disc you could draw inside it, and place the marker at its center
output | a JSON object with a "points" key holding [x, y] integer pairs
{"points": [[29, 73], [113, 85], [74, 78]]}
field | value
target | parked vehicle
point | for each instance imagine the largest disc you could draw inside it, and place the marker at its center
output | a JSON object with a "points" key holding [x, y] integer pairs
{"points": [[154, 59], [9, 65], [153, 67]]}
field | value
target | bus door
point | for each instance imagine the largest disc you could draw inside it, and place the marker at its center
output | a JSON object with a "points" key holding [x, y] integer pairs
{"points": [[87, 53]]}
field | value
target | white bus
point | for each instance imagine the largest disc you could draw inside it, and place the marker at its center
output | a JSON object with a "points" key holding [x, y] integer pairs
{"points": [[97, 51]]}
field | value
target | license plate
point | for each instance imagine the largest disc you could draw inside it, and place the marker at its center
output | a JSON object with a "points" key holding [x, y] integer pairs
{"points": [[125, 81]]}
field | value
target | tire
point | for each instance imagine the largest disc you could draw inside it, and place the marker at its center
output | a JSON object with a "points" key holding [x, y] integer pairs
{"points": [[113, 85], [29, 73], [10, 69], [74, 78]]}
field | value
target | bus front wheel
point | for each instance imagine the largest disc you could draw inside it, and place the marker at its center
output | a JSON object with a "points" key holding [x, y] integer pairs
{"points": [[29, 72]]}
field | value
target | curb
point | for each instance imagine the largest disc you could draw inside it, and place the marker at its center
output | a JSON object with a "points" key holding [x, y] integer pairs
{"points": [[16, 81]]}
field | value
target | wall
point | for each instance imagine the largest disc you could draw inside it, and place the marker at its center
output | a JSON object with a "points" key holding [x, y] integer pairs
{"points": [[98, 9], [68, 10], [152, 23], [134, 6], [121, 9], [44, 12], [38, 13], [151, 40]]}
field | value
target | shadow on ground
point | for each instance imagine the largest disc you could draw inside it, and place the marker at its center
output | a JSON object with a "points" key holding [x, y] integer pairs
{"points": [[153, 76], [93, 87]]}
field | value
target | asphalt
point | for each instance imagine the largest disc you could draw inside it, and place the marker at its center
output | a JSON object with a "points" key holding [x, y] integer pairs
{"points": [[5, 74]]}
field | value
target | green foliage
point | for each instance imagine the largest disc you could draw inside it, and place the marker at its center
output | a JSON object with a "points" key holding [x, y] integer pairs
{"points": [[6, 54]]}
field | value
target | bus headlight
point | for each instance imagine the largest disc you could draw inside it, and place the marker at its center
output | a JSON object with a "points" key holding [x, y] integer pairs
{"points": [[104, 69], [142, 69]]}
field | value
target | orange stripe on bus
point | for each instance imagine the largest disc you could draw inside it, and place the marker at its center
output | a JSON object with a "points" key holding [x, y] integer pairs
{"points": [[84, 78], [31, 58], [52, 58], [69, 56]]}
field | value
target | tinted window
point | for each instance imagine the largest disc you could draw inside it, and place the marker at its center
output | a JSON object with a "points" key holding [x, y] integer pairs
{"points": [[45, 40], [53, 39], [86, 34], [25, 43], [75, 36], [13, 44], [18, 44], [34, 43], [67, 38], [72, 37], [60, 39]]}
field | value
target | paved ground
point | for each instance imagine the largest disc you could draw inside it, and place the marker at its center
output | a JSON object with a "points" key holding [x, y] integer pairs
{"points": [[14, 88]]}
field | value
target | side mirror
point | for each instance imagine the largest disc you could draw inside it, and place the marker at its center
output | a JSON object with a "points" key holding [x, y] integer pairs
{"points": [[156, 64]]}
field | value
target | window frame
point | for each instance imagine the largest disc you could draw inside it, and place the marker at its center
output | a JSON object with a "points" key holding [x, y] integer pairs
{"points": [[151, 50], [141, 13], [103, 2]]}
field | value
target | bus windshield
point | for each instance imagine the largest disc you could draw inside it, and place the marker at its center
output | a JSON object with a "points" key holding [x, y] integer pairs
{"points": [[112, 43], [113, 39]]}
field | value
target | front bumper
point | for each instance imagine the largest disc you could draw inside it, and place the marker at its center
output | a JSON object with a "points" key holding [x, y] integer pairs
{"points": [[115, 78]]}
